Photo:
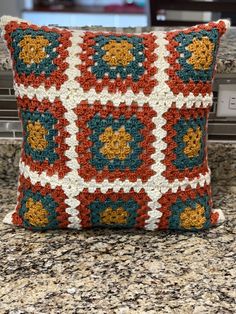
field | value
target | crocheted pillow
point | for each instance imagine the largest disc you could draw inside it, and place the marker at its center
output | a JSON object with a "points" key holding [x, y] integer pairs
{"points": [[114, 127]]}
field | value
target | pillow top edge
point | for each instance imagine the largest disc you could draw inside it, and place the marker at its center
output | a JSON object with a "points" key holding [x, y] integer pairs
{"points": [[5, 19]]}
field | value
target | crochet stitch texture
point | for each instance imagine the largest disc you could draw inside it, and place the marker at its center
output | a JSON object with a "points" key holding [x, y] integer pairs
{"points": [[114, 127]]}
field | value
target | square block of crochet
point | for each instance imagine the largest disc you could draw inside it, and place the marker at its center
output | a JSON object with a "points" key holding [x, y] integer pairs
{"points": [[192, 58], [114, 127], [120, 141], [185, 153], [44, 135], [38, 54], [118, 62], [189, 210], [40, 207], [116, 209]]}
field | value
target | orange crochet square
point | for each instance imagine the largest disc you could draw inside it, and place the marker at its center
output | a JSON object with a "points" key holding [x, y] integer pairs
{"points": [[188, 210], [118, 62], [38, 54], [44, 135], [113, 209], [115, 142], [185, 154], [192, 58]]}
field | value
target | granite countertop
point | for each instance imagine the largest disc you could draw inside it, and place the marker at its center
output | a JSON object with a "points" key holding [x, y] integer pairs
{"points": [[124, 272], [226, 62]]}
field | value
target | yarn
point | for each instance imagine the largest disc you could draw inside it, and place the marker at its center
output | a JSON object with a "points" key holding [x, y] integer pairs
{"points": [[38, 54], [187, 210], [44, 135], [126, 132], [185, 154], [193, 217], [112, 209], [118, 62], [40, 207], [192, 58], [36, 215]]}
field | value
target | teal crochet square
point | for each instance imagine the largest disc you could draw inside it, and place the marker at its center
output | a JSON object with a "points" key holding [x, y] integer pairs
{"points": [[190, 153], [198, 211], [38, 136], [118, 56], [192, 49], [117, 214], [41, 47], [109, 148]]}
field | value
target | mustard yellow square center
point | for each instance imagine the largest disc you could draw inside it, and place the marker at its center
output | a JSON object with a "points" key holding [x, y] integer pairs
{"points": [[193, 142], [36, 215], [116, 143], [202, 53], [193, 218], [33, 49], [118, 53], [36, 137], [110, 216]]}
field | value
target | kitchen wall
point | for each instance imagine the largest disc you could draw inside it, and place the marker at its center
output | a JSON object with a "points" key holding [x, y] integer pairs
{"points": [[11, 7], [188, 16]]}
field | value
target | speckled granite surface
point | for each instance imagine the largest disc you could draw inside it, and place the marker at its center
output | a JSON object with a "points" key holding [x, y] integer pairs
{"points": [[120, 272], [226, 62], [5, 63]]}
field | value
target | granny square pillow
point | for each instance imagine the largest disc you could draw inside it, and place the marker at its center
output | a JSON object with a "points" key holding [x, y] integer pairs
{"points": [[114, 127]]}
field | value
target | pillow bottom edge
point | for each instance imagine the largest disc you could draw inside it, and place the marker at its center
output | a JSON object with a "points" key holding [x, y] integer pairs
{"points": [[221, 216], [8, 218]]}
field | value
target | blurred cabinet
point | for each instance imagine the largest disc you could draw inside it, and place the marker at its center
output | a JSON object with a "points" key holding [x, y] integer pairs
{"points": [[225, 8], [86, 19]]}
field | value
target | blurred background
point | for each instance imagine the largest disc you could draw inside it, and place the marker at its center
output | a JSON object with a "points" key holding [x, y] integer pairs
{"points": [[119, 13]]}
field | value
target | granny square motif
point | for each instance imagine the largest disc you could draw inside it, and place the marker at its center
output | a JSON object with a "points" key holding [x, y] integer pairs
{"points": [[118, 62], [114, 127]]}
